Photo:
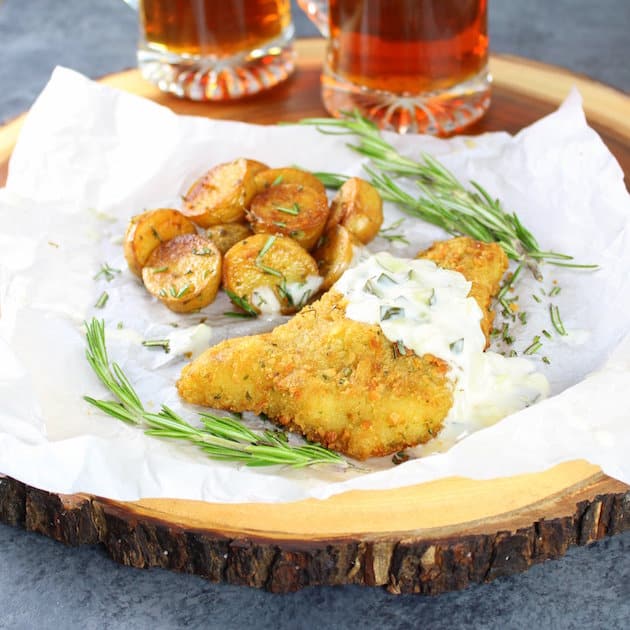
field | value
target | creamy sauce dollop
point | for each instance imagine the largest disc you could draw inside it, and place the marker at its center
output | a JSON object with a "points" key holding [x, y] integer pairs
{"points": [[425, 308], [299, 293]]}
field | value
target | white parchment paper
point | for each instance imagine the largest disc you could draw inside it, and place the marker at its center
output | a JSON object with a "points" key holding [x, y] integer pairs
{"points": [[89, 157]]}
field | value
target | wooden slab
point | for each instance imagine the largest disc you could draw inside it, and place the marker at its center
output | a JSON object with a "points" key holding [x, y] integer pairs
{"points": [[427, 538]]}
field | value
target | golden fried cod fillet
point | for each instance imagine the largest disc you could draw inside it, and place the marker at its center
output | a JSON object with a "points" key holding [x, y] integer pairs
{"points": [[336, 381], [482, 263]]}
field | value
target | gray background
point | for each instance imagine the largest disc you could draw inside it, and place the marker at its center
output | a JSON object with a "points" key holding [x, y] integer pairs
{"points": [[46, 585]]}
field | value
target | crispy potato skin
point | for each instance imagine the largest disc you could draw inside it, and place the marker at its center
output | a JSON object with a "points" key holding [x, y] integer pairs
{"points": [[334, 380], [270, 212], [359, 208], [184, 273], [226, 235], [222, 194], [288, 175], [334, 254], [482, 263], [147, 230], [243, 270]]}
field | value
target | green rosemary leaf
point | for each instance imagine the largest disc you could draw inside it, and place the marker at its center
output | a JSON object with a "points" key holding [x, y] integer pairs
{"points": [[220, 438]]}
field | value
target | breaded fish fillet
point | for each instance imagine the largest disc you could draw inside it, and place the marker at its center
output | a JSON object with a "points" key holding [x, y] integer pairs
{"points": [[482, 263], [338, 381]]}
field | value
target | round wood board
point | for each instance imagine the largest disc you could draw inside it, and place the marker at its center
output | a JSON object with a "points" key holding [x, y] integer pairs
{"points": [[427, 538]]}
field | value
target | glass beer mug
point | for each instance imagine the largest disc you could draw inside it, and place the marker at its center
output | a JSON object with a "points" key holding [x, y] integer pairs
{"points": [[215, 50], [409, 65]]}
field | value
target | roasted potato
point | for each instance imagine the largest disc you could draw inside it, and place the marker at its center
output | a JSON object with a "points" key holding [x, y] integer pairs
{"points": [[359, 208], [222, 194], [291, 209], [270, 273], [274, 176], [225, 235], [184, 273], [147, 230], [333, 254]]}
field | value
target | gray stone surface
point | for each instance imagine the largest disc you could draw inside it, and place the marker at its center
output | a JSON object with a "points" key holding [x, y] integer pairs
{"points": [[46, 585]]}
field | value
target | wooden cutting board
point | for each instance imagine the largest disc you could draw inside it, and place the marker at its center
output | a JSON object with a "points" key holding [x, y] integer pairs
{"points": [[428, 538]]}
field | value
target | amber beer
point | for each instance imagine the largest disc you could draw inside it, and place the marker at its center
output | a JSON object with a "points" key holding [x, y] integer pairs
{"points": [[409, 65], [212, 27], [215, 49], [408, 45]]}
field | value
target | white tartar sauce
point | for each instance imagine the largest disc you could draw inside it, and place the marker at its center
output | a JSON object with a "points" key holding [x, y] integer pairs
{"points": [[297, 293], [425, 308]]}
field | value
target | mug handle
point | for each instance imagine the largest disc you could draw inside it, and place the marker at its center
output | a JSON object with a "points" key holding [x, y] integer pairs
{"points": [[317, 12]]}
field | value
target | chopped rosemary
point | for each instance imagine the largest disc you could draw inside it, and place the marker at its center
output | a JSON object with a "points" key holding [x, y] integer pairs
{"points": [[266, 247], [277, 181], [175, 293], [221, 438], [280, 224], [556, 320], [546, 360], [554, 291], [204, 251], [534, 347], [536, 298], [509, 283], [242, 302], [523, 317], [159, 269], [388, 235], [236, 314], [546, 333], [102, 300], [107, 272], [269, 270], [165, 344], [292, 210], [156, 234]]}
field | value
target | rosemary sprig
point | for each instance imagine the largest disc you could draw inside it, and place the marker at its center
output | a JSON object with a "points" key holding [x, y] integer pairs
{"points": [[443, 201], [107, 272], [221, 438]]}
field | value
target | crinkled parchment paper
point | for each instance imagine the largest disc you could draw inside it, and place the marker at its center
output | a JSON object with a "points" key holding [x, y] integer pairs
{"points": [[90, 157]]}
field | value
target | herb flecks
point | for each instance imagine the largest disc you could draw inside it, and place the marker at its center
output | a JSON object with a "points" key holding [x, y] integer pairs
{"points": [[107, 272], [293, 210], [389, 235], [102, 300], [241, 302], [556, 320], [158, 343]]}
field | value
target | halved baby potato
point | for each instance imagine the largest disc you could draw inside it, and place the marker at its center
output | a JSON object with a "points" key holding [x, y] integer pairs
{"points": [[359, 208], [333, 254], [270, 274], [287, 175], [294, 210], [222, 194], [225, 235], [184, 273], [147, 230]]}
